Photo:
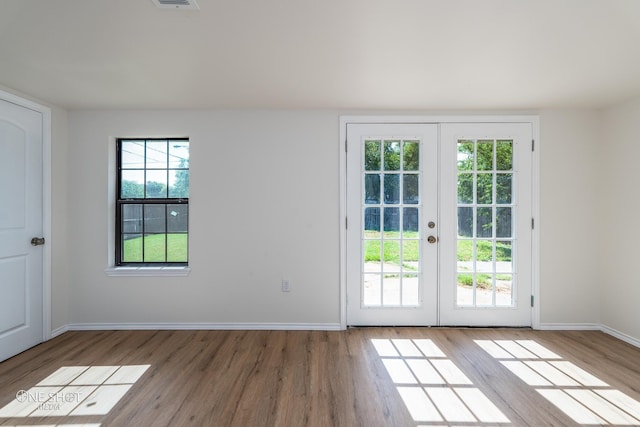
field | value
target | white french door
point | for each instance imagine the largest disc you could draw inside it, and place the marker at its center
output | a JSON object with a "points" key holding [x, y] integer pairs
{"points": [[486, 210], [392, 179], [439, 224], [21, 213]]}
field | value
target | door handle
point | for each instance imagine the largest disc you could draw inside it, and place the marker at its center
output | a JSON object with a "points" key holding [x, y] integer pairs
{"points": [[37, 241], [432, 239]]}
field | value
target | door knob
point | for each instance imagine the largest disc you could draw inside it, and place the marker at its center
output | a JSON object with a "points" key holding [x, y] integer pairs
{"points": [[37, 241], [432, 239]]}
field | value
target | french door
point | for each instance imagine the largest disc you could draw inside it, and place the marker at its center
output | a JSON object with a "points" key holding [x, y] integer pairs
{"points": [[392, 179], [438, 224]]}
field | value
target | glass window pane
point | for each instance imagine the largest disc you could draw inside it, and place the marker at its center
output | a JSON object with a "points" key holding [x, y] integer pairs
{"points": [[155, 248], [484, 250], [465, 155], [132, 154], [179, 183], [392, 155], [154, 219], [131, 248], [391, 290], [464, 254], [503, 188], [410, 290], [132, 184], [410, 255], [411, 156], [504, 261], [503, 222], [485, 189], [157, 155], [504, 290], [372, 290], [464, 290], [465, 188], [410, 222], [391, 253], [392, 188], [392, 219], [372, 152], [156, 184], [484, 222], [177, 218], [484, 289], [504, 155], [485, 155], [411, 191], [132, 219], [372, 255], [465, 222], [371, 189], [372, 219], [178, 154], [177, 247]]}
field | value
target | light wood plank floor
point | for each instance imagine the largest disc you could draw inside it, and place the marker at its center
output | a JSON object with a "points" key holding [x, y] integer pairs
{"points": [[358, 377]]}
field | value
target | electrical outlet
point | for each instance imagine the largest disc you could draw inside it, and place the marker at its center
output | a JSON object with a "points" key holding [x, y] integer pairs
{"points": [[286, 285]]}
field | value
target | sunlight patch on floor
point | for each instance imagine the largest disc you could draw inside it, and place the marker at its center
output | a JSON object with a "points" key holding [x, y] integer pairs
{"points": [[583, 397], [75, 391], [432, 387]]}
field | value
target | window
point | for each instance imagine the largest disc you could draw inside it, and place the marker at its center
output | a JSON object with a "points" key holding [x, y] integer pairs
{"points": [[152, 203]]}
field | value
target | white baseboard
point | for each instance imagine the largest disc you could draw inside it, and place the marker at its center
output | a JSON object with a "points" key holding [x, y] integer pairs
{"points": [[569, 327], [204, 326], [589, 327], [59, 331], [304, 327], [621, 336]]}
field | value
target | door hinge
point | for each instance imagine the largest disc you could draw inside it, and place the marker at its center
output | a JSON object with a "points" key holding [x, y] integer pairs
{"points": [[345, 146], [533, 224], [346, 222], [533, 144], [531, 300]]}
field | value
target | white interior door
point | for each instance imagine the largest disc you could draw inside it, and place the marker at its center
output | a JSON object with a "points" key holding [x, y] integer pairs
{"points": [[21, 219], [486, 227], [392, 209]]}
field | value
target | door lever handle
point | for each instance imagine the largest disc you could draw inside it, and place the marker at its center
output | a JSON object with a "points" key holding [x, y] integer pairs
{"points": [[37, 241]]}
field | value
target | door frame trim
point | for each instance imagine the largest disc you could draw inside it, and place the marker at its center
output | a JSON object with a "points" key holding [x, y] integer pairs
{"points": [[438, 119], [46, 202]]}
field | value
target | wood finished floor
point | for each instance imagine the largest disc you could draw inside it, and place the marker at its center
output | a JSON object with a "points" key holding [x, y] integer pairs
{"points": [[299, 378]]}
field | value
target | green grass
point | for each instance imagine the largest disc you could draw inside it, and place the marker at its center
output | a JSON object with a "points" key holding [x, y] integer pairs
{"points": [[411, 248], [483, 251], [176, 246]]}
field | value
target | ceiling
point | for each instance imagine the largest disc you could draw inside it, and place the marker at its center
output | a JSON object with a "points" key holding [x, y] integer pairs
{"points": [[348, 54]]}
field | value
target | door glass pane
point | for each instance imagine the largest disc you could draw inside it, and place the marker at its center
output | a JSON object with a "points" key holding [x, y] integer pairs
{"points": [[372, 152], [411, 155], [392, 188], [465, 188], [485, 269], [391, 234], [503, 188], [372, 189], [410, 192], [392, 155], [504, 155]]}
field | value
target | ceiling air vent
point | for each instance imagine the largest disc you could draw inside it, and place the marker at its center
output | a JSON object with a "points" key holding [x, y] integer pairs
{"points": [[176, 4]]}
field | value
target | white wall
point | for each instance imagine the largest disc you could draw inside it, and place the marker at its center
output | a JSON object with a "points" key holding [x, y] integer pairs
{"points": [[569, 237], [618, 169], [263, 206], [269, 179]]}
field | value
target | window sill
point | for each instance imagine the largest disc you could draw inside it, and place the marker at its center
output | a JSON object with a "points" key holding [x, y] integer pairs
{"points": [[148, 271]]}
